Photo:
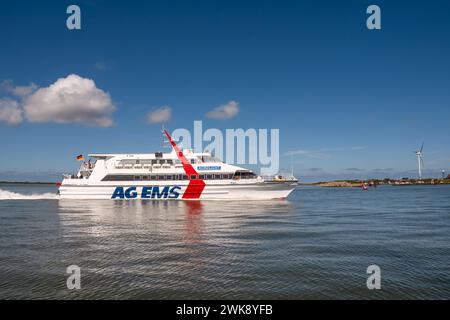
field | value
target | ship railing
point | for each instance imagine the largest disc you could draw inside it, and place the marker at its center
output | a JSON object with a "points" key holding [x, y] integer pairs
{"points": [[278, 177], [78, 176], [87, 167], [148, 166]]}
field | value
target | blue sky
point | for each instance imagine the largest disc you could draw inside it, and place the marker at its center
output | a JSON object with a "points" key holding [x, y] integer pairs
{"points": [[348, 101]]}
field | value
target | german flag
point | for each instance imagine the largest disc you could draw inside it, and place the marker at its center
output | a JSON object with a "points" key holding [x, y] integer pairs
{"points": [[80, 157]]}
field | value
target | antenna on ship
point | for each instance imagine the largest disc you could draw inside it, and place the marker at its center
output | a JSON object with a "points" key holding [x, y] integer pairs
{"points": [[292, 165], [164, 142]]}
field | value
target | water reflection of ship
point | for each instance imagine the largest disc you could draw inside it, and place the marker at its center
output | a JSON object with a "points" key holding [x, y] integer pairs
{"points": [[171, 237], [107, 208], [193, 223], [166, 218], [194, 207]]}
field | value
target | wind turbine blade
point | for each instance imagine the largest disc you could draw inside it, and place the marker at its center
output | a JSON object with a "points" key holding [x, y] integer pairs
{"points": [[421, 148], [421, 160]]}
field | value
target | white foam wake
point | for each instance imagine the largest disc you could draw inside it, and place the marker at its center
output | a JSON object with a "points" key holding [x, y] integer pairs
{"points": [[8, 195]]}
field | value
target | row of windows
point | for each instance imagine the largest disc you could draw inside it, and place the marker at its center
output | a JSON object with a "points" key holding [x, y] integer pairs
{"points": [[164, 177], [153, 161]]}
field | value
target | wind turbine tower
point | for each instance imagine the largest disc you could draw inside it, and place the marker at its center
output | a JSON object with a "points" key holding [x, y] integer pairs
{"points": [[419, 154]]}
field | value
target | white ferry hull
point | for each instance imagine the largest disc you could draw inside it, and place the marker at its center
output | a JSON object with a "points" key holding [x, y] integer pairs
{"points": [[257, 191], [168, 176]]}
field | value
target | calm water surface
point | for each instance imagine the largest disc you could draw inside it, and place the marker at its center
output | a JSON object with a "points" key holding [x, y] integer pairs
{"points": [[317, 245]]}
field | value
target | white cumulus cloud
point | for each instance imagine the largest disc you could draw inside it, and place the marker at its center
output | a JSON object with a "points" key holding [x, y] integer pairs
{"points": [[19, 91], [10, 111], [70, 100], [223, 112], [160, 115]]}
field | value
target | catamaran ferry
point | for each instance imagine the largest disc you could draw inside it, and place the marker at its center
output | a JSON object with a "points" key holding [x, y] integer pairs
{"points": [[178, 175]]}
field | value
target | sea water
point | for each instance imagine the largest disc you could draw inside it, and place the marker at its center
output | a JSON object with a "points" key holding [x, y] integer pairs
{"points": [[316, 245]]}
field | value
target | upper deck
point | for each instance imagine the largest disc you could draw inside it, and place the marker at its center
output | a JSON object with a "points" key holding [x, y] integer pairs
{"points": [[156, 166], [159, 161]]}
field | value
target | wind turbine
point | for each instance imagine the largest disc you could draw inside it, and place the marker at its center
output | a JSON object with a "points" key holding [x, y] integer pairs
{"points": [[419, 160]]}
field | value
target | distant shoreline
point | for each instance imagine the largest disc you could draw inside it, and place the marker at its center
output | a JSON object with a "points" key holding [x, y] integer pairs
{"points": [[332, 184], [377, 182], [25, 182]]}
